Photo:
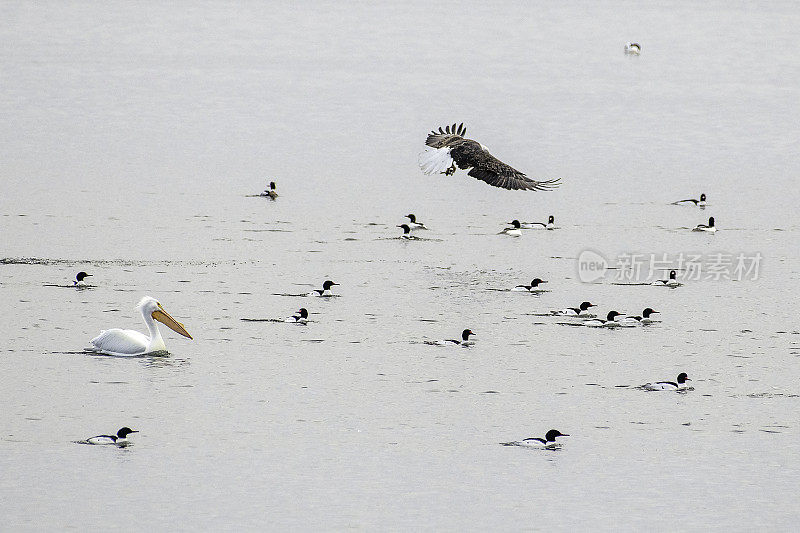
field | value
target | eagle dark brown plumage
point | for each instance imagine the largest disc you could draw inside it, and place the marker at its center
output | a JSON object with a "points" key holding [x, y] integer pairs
{"points": [[448, 148]]}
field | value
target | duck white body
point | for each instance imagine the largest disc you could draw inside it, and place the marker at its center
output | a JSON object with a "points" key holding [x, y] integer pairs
{"points": [[80, 280], [609, 322], [582, 310], [120, 439], [644, 319], [699, 203], [680, 384], [130, 342], [551, 224], [412, 222], [671, 282], [548, 442], [325, 290], [270, 193], [710, 227], [633, 48], [300, 317], [626, 321], [406, 232], [514, 231]]}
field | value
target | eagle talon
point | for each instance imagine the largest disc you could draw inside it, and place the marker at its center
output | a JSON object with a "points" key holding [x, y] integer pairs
{"points": [[450, 171]]}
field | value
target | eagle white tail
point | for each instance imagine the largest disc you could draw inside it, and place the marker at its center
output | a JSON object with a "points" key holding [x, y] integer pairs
{"points": [[433, 160]]}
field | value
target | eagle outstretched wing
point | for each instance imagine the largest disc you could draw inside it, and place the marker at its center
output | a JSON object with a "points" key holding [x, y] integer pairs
{"points": [[448, 147], [447, 137]]}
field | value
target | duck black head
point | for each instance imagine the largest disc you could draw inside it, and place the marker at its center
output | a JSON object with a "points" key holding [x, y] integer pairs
{"points": [[81, 276], [515, 223], [536, 281], [551, 219], [672, 274], [411, 217], [711, 222], [303, 312], [647, 312], [683, 378], [703, 197], [465, 334], [611, 315], [406, 228], [551, 435], [328, 284], [124, 432], [586, 305]]}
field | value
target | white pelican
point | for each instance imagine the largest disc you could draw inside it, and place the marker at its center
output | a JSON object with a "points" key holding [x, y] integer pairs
{"points": [[120, 439], [128, 342]]}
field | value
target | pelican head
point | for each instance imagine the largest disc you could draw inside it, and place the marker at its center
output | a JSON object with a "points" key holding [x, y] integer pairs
{"points": [[149, 306]]}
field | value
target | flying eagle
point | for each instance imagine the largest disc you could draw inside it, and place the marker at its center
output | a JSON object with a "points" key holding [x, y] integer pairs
{"points": [[448, 148]]}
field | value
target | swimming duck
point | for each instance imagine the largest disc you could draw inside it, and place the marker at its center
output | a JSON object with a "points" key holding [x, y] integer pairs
{"points": [[533, 287], [669, 385]]}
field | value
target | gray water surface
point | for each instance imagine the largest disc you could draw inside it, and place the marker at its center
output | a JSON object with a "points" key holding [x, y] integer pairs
{"points": [[134, 135]]}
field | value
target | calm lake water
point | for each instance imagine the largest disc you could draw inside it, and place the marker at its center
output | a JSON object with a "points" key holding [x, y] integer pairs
{"points": [[133, 135]]}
